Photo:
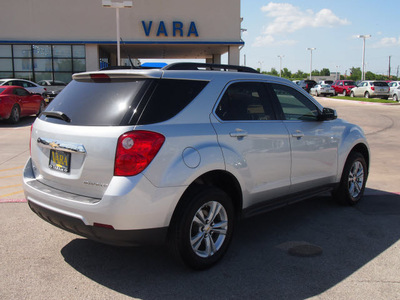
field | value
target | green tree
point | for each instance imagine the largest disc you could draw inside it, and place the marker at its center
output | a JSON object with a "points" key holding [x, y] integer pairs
{"points": [[355, 74], [273, 72], [315, 73], [325, 72], [370, 76], [286, 73], [300, 74]]}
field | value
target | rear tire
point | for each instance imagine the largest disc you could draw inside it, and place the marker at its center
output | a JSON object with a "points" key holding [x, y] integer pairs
{"points": [[366, 95], [344, 93], [354, 178], [15, 115], [202, 228], [352, 94], [395, 98]]}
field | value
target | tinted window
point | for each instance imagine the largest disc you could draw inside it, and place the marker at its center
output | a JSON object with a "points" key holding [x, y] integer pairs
{"points": [[295, 105], [169, 98], [244, 101], [2, 90], [96, 103], [377, 83]]}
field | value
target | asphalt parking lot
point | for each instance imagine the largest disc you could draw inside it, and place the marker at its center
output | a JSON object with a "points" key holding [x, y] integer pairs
{"points": [[360, 245]]}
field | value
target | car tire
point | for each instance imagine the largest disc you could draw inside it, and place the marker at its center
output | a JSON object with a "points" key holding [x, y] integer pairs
{"points": [[352, 183], [317, 93], [41, 108], [15, 115], [366, 95], [202, 227], [344, 93], [352, 94], [395, 97]]}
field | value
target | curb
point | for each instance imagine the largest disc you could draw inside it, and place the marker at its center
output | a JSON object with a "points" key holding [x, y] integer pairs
{"points": [[354, 101]]}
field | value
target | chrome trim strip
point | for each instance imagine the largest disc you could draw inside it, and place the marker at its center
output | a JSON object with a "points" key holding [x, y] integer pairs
{"points": [[59, 145]]}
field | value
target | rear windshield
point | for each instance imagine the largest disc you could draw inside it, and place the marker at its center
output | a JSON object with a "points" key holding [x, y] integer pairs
{"points": [[380, 83], [96, 104], [122, 102]]}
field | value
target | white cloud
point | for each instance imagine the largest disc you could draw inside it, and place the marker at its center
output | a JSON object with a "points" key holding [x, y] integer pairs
{"points": [[387, 42], [287, 19]]}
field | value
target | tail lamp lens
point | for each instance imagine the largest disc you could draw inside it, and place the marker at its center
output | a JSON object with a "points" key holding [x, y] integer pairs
{"points": [[135, 151]]}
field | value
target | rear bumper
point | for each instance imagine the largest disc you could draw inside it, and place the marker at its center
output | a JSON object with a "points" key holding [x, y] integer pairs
{"points": [[152, 236], [138, 211]]}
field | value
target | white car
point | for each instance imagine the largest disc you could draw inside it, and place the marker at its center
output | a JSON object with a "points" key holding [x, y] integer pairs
{"points": [[394, 90], [371, 89], [30, 86], [178, 154], [322, 89]]}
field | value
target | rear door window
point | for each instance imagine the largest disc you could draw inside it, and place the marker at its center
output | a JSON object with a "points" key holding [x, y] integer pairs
{"points": [[96, 103]]}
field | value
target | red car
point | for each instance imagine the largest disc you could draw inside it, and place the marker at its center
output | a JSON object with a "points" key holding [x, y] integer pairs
{"points": [[16, 102], [343, 87]]}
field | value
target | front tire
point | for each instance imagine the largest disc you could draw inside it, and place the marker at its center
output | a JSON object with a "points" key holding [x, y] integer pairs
{"points": [[352, 94], [202, 228], [354, 178], [344, 93], [395, 98]]}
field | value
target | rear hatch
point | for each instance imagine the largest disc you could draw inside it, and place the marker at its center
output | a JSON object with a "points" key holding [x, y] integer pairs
{"points": [[74, 141]]}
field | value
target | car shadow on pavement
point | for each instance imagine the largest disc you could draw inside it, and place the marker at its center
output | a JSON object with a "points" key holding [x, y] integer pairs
{"points": [[259, 263], [23, 122]]}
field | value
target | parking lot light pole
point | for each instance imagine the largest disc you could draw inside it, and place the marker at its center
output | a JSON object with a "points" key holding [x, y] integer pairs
{"points": [[311, 50], [117, 5], [363, 36], [280, 65]]}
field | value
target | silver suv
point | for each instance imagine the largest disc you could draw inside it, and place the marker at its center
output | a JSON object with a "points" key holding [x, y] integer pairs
{"points": [[131, 157]]}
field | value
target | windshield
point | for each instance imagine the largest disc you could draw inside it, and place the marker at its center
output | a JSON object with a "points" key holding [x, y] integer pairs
{"points": [[96, 103]]}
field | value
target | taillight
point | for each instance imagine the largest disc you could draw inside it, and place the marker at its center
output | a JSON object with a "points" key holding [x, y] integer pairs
{"points": [[135, 151], [373, 88]]}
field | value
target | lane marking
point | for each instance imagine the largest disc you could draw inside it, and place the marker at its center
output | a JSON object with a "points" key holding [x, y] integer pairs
{"points": [[10, 186], [10, 194], [15, 168], [13, 200], [18, 175]]}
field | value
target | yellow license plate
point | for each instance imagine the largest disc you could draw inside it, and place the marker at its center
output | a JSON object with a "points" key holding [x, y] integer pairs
{"points": [[60, 161]]}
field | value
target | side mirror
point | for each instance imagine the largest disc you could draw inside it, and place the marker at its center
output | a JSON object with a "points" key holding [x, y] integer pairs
{"points": [[328, 114]]}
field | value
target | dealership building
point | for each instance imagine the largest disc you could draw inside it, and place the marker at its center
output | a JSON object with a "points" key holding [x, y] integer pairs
{"points": [[52, 39]]}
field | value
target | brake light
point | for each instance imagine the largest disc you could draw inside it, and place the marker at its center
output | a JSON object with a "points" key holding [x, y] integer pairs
{"points": [[100, 77], [135, 151], [373, 88]]}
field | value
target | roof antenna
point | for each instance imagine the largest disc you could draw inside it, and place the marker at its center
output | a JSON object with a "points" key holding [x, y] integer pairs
{"points": [[130, 60]]}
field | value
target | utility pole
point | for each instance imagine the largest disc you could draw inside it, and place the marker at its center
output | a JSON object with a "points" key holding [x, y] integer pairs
{"points": [[389, 65], [280, 65]]}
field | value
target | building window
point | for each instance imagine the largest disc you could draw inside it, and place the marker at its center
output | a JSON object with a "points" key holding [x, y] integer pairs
{"points": [[42, 62]]}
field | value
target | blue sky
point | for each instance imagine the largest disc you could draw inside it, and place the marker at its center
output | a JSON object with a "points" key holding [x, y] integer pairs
{"points": [[290, 27]]}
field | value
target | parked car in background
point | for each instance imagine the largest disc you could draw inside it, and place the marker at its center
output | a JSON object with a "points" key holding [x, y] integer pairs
{"points": [[17, 102], [307, 84], [395, 94], [177, 155], [394, 86], [371, 89], [329, 82], [53, 88], [322, 89], [26, 84], [343, 87]]}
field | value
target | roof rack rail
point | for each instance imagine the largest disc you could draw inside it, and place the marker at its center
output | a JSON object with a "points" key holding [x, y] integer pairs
{"points": [[208, 67]]}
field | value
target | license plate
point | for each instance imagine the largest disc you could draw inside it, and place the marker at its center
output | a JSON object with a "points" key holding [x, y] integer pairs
{"points": [[60, 161]]}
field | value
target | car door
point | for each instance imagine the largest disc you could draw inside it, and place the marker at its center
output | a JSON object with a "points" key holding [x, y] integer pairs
{"points": [[27, 105], [313, 143], [361, 88], [255, 145]]}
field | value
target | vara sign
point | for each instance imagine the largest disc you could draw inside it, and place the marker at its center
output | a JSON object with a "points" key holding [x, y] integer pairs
{"points": [[176, 29]]}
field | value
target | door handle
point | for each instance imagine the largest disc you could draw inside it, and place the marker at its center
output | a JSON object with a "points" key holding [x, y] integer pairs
{"points": [[298, 134], [238, 134]]}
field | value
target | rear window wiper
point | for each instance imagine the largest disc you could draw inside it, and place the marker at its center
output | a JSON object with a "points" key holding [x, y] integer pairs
{"points": [[57, 115]]}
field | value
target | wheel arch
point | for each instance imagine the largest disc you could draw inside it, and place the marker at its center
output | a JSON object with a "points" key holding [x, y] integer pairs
{"points": [[220, 179]]}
